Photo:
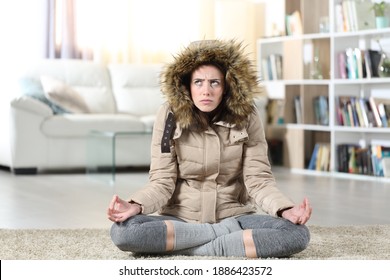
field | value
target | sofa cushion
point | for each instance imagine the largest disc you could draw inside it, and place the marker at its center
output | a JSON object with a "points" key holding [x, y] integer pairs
{"points": [[90, 79], [136, 88], [97, 100], [63, 95], [79, 125], [34, 89]]}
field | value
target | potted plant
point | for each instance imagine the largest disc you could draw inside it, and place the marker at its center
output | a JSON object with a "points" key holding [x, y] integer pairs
{"points": [[380, 9]]}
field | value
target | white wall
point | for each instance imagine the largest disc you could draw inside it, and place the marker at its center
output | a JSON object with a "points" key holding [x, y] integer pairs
{"points": [[273, 16], [21, 28]]}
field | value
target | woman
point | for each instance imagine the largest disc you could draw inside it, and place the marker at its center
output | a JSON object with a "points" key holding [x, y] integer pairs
{"points": [[209, 169]]}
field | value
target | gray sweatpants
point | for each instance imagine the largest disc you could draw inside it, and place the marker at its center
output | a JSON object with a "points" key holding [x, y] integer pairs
{"points": [[273, 237]]}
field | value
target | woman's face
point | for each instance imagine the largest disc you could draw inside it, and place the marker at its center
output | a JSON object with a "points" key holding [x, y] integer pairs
{"points": [[207, 87]]}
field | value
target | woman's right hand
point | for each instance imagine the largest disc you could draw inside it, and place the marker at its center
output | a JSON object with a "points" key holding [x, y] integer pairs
{"points": [[120, 210]]}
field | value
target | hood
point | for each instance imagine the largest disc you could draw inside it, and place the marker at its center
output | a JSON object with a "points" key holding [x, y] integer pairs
{"points": [[240, 79]]}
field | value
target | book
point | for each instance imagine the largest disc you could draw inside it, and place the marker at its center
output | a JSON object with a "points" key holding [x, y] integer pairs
{"points": [[359, 113], [355, 116], [343, 102], [370, 114], [342, 158], [325, 157], [346, 15], [320, 157], [275, 111], [387, 112], [382, 114], [362, 107], [321, 110], [386, 167], [339, 114], [376, 156], [359, 62], [367, 64], [375, 112], [294, 24], [385, 161], [342, 65], [264, 70], [313, 159], [375, 58], [340, 26], [298, 109], [352, 14], [352, 69]]}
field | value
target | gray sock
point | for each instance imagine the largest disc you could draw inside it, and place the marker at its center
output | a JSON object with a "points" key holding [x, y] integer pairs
{"points": [[191, 235], [230, 245]]}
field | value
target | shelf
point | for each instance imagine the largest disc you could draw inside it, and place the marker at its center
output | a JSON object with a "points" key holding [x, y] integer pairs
{"points": [[308, 127], [341, 175], [298, 95], [299, 82], [371, 33], [361, 81], [346, 129], [314, 36]]}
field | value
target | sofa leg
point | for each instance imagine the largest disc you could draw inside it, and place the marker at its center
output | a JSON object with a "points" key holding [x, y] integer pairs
{"points": [[25, 171]]}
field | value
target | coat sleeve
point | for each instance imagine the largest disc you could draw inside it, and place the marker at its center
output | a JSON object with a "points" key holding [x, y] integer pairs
{"points": [[163, 170], [258, 177]]}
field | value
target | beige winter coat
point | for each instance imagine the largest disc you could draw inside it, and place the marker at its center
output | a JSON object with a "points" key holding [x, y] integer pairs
{"points": [[222, 172]]}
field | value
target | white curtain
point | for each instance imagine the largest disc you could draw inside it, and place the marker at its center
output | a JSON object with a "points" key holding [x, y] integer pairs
{"points": [[147, 31], [140, 31], [61, 29], [135, 31]]}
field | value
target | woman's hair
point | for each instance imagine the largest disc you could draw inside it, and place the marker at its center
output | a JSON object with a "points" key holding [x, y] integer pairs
{"points": [[205, 119]]}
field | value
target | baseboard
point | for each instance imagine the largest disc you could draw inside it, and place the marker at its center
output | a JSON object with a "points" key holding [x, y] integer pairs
{"points": [[25, 171]]}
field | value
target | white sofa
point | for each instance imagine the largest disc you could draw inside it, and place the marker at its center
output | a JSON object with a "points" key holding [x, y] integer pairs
{"points": [[118, 97]]}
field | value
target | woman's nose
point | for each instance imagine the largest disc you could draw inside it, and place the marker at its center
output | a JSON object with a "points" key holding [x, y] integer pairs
{"points": [[206, 89]]}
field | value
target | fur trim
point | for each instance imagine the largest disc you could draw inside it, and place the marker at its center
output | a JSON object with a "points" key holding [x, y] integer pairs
{"points": [[241, 78]]}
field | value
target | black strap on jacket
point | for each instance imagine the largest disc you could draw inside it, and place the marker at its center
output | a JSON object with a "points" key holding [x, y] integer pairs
{"points": [[167, 135]]}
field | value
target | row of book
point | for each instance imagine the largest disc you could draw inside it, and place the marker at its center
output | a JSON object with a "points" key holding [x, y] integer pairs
{"points": [[350, 111], [294, 24], [272, 67], [275, 111], [320, 107], [373, 160], [354, 15], [355, 63], [320, 157], [362, 112]]}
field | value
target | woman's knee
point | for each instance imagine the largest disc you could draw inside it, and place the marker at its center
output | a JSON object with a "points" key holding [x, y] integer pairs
{"points": [[303, 236], [139, 234], [126, 235]]}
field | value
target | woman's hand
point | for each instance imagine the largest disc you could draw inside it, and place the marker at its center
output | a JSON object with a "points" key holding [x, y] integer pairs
{"points": [[299, 214], [120, 210]]}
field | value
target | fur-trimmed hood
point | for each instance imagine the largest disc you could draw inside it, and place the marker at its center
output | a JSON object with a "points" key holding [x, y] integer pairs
{"points": [[240, 78]]}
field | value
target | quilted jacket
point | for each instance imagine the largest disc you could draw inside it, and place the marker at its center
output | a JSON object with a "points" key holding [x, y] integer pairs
{"points": [[224, 171]]}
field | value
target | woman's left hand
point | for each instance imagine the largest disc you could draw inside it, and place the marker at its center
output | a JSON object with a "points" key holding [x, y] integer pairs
{"points": [[299, 214]]}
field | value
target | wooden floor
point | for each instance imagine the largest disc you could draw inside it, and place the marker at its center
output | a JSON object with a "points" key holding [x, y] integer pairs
{"points": [[75, 200]]}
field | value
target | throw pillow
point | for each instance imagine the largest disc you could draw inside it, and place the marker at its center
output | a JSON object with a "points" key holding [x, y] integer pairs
{"points": [[63, 95], [33, 88]]}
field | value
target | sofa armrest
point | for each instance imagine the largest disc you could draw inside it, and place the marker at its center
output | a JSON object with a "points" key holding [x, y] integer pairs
{"points": [[31, 105], [28, 143]]}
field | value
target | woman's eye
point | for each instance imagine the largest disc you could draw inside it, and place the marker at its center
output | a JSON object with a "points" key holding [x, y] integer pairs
{"points": [[198, 82], [214, 83]]}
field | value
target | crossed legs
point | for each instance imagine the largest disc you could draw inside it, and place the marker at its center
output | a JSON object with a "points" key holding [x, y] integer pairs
{"points": [[249, 236]]}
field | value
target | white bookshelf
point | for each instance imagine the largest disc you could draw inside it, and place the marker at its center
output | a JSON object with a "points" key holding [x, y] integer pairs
{"points": [[297, 52]]}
